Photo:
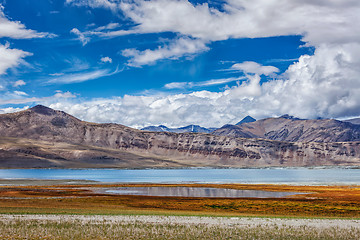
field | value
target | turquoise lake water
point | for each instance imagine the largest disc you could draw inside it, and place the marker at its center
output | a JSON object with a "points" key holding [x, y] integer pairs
{"points": [[314, 176]]}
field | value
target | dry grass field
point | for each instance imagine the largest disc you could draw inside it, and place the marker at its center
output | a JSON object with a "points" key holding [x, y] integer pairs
{"points": [[172, 227]]}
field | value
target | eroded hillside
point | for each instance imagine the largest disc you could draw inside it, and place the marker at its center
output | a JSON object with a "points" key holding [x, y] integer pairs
{"points": [[179, 150]]}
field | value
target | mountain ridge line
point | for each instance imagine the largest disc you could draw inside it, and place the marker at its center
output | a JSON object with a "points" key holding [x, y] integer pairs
{"points": [[151, 149]]}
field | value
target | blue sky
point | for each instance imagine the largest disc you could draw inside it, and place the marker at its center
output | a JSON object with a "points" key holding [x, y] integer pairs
{"points": [[179, 62]]}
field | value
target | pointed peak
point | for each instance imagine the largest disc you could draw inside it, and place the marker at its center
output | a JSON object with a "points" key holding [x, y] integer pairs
{"points": [[38, 106], [247, 119], [43, 110]]}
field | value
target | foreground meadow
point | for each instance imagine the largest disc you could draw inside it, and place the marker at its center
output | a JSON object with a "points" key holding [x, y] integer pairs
{"points": [[319, 201], [46, 210], [172, 227]]}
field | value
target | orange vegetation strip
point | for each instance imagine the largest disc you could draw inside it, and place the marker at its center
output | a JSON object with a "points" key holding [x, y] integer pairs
{"points": [[322, 201]]}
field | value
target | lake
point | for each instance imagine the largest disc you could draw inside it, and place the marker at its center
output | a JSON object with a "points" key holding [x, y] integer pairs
{"points": [[297, 176]]}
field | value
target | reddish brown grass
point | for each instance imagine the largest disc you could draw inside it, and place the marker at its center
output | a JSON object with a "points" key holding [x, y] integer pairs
{"points": [[322, 201]]}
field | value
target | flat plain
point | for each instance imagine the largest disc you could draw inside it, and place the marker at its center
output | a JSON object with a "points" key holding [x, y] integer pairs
{"points": [[50, 210]]}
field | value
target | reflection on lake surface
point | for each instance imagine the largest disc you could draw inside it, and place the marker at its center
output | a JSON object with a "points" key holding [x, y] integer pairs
{"points": [[195, 192]]}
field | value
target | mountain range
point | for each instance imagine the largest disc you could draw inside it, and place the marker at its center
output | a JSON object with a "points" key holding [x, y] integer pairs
{"points": [[189, 128], [291, 129], [43, 137], [285, 128]]}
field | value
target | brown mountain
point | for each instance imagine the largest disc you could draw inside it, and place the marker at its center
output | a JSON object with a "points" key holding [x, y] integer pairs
{"points": [[290, 129], [43, 137]]}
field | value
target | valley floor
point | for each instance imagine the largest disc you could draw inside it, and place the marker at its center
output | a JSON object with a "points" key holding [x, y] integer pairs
{"points": [[60, 210], [87, 198]]}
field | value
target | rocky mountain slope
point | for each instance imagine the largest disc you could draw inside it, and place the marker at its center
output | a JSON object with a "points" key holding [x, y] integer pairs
{"points": [[290, 129], [28, 153], [40, 133]]}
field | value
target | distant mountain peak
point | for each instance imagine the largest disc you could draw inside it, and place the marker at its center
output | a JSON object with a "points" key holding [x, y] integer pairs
{"points": [[247, 119], [192, 126], [43, 110], [160, 128], [188, 128], [39, 106], [287, 116]]}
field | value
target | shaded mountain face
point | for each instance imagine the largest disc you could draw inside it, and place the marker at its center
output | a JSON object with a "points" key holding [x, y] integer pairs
{"points": [[290, 129], [160, 128], [28, 153], [355, 121], [247, 119], [187, 129], [43, 137]]}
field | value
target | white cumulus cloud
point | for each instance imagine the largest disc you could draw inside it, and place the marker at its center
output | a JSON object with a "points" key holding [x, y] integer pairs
{"points": [[18, 97], [248, 19], [176, 49], [325, 84], [19, 83], [333, 22], [10, 58], [253, 67], [202, 107], [106, 60], [12, 109], [17, 30], [94, 3]]}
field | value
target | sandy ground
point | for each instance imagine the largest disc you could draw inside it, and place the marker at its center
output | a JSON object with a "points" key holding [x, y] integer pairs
{"points": [[208, 221]]}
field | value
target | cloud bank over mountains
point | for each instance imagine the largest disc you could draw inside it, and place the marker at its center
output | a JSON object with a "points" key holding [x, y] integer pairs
{"points": [[325, 84]]}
